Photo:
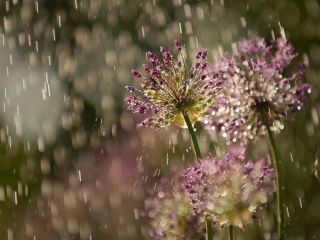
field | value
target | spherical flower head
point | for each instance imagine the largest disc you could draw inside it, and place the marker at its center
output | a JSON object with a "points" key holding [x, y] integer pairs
{"points": [[170, 89], [257, 91], [170, 213], [230, 191]]}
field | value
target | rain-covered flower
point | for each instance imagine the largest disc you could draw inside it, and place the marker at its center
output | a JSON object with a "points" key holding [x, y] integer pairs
{"points": [[170, 213], [258, 90], [171, 88], [229, 191]]}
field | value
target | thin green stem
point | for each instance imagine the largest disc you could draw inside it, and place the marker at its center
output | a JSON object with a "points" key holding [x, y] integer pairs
{"points": [[209, 229], [276, 164], [230, 232], [192, 134]]}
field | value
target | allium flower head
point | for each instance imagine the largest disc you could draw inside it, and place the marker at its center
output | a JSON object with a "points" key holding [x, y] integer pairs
{"points": [[171, 88], [229, 191], [257, 91], [170, 213]]}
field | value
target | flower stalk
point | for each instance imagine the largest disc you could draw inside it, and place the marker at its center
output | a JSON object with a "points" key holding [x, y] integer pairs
{"points": [[192, 135], [275, 157], [209, 230], [230, 232], [209, 235]]}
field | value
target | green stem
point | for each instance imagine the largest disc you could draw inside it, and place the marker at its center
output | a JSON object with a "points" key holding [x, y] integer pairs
{"points": [[230, 232], [209, 230], [192, 134], [276, 164]]}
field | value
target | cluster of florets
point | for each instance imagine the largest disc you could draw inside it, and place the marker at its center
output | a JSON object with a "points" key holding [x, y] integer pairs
{"points": [[171, 89], [257, 92], [170, 213], [231, 190], [245, 94]]}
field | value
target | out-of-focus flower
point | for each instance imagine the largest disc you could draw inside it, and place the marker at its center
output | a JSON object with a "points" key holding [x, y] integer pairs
{"points": [[94, 200], [170, 213], [257, 92], [171, 88], [229, 191]]}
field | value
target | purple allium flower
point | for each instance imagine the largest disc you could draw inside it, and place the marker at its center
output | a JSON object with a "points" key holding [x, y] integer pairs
{"points": [[257, 90], [229, 191], [171, 88], [170, 213]]}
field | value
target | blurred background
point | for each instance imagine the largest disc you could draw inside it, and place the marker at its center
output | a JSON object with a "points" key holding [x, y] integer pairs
{"points": [[72, 163]]}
